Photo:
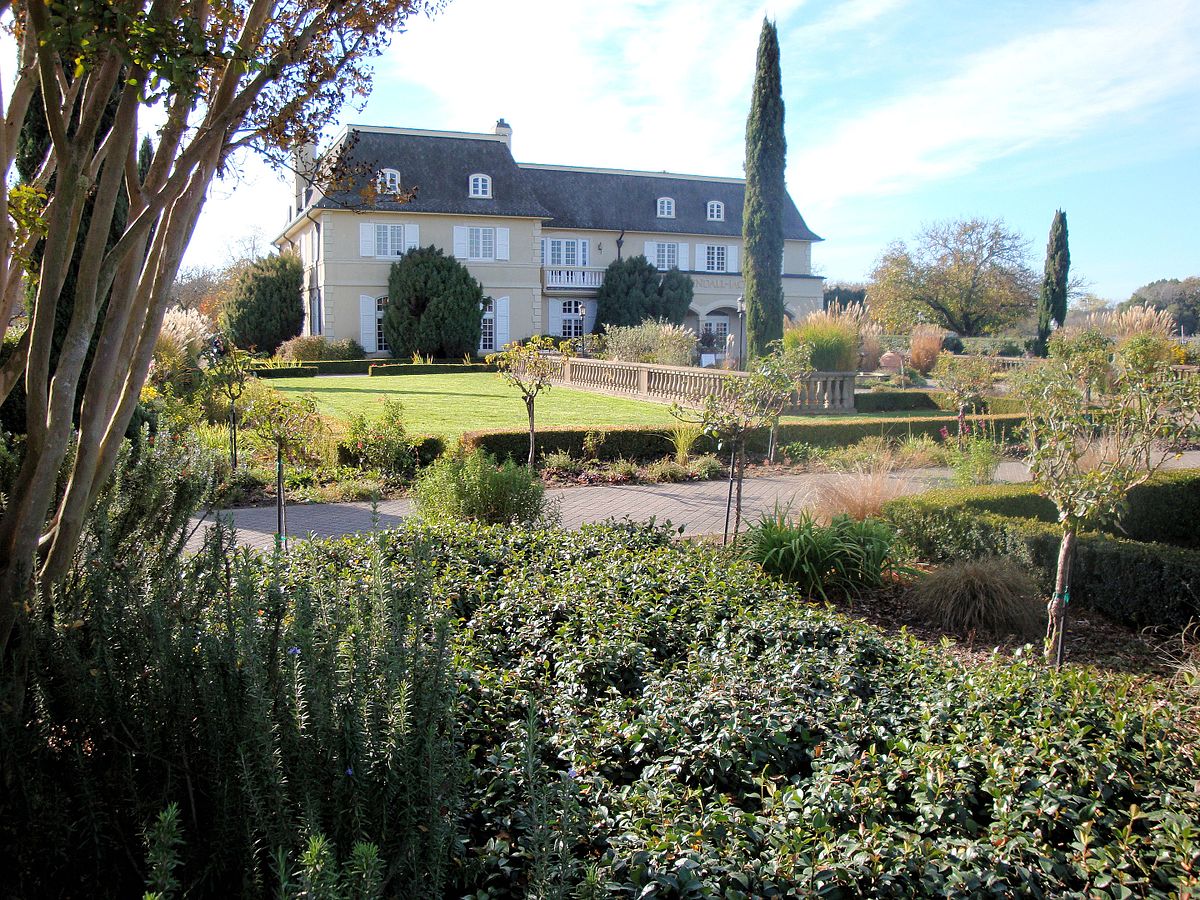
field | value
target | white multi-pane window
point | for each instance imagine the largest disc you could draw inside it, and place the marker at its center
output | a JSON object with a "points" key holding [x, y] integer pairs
{"points": [[716, 211], [572, 318], [481, 243], [716, 325], [389, 240], [389, 181], [666, 208], [715, 258], [380, 339], [481, 185], [487, 327], [561, 252], [666, 256]]}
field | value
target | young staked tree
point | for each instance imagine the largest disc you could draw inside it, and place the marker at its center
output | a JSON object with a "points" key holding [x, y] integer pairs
{"points": [[742, 405], [266, 307], [1087, 453], [529, 367], [435, 306], [226, 375], [290, 427], [1052, 304], [262, 74], [762, 216]]}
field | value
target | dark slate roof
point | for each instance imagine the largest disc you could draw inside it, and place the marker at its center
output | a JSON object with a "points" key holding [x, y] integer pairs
{"points": [[439, 166], [612, 201]]}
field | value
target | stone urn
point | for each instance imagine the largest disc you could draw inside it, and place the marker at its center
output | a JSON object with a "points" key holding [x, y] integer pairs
{"points": [[891, 361]]}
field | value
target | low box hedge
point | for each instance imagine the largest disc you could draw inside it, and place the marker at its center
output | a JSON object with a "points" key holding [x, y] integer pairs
{"points": [[900, 401], [646, 442], [305, 371], [378, 369], [1133, 574]]}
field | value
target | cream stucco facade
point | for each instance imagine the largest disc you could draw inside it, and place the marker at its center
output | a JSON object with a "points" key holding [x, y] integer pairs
{"points": [[542, 279]]}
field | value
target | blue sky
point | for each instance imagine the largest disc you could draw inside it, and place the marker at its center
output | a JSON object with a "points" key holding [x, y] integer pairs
{"points": [[899, 113]]}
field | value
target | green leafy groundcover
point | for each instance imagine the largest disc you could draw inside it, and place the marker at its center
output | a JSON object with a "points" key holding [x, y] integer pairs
{"points": [[700, 731], [625, 716]]}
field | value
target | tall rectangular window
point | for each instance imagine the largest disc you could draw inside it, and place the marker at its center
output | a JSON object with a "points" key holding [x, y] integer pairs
{"points": [[715, 259], [481, 243], [666, 256], [487, 327], [380, 337], [389, 240]]}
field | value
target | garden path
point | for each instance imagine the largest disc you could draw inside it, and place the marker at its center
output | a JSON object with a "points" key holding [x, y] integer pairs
{"points": [[699, 506]]}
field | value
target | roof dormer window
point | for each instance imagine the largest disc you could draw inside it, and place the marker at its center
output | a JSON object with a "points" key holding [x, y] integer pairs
{"points": [[716, 211], [481, 186], [389, 181], [666, 208]]}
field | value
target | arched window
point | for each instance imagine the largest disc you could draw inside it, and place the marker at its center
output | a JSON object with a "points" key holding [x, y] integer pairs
{"points": [[666, 208], [389, 181], [716, 211], [480, 186]]}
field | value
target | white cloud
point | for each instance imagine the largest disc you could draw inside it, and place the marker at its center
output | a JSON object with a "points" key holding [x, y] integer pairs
{"points": [[1113, 61]]}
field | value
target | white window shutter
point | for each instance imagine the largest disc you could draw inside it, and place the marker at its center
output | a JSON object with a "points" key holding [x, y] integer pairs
{"points": [[460, 242], [556, 318], [412, 237], [702, 257], [683, 257], [583, 254], [731, 259], [502, 329], [367, 312], [651, 251], [589, 316], [501, 243], [366, 239]]}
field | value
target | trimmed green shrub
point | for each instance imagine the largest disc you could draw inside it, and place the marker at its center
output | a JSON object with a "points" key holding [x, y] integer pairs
{"points": [[318, 348], [900, 401], [265, 308], [381, 369], [1136, 582], [648, 442], [305, 371], [472, 487], [633, 290], [435, 305]]}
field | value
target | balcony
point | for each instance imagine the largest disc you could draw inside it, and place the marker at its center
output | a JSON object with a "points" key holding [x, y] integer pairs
{"points": [[574, 278]]}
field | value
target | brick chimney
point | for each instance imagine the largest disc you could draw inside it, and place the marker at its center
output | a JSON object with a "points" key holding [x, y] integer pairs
{"points": [[505, 131]]}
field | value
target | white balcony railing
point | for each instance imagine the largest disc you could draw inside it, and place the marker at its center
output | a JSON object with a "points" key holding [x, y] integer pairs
{"points": [[574, 278]]}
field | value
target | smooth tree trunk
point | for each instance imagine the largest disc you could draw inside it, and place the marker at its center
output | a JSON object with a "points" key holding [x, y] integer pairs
{"points": [[233, 448], [729, 497], [1056, 609], [280, 502], [741, 474], [532, 433], [772, 442]]}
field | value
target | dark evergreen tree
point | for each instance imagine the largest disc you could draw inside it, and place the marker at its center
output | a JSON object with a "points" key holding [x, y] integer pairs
{"points": [[628, 294], [674, 297], [762, 217], [435, 306], [1052, 305], [266, 308]]}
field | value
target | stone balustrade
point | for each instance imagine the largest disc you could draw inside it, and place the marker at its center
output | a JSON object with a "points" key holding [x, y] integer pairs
{"points": [[821, 392]]}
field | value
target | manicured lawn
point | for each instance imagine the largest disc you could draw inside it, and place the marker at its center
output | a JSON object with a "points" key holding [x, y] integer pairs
{"points": [[449, 405]]}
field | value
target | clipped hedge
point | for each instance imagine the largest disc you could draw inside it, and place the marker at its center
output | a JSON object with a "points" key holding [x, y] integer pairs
{"points": [[305, 371], [342, 366], [645, 442], [377, 369], [900, 401], [1141, 582]]}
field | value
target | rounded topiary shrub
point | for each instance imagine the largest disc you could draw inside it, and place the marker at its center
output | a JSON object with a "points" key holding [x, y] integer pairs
{"points": [[435, 306]]}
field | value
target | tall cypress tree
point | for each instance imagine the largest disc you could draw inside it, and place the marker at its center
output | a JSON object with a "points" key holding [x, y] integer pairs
{"points": [[1052, 305], [762, 217]]}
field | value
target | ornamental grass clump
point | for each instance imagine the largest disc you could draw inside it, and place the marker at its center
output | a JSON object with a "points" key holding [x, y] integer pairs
{"points": [[656, 341], [833, 337], [924, 345], [859, 494], [992, 595]]}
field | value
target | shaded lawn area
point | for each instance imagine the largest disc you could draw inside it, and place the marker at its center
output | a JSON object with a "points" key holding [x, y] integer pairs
{"points": [[449, 405]]}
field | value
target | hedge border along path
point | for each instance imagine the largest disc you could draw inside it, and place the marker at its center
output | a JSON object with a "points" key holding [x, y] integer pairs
{"points": [[647, 442], [1137, 582]]}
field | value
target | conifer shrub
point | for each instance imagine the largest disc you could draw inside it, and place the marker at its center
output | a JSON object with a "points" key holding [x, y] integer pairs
{"points": [[434, 308], [265, 308]]}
